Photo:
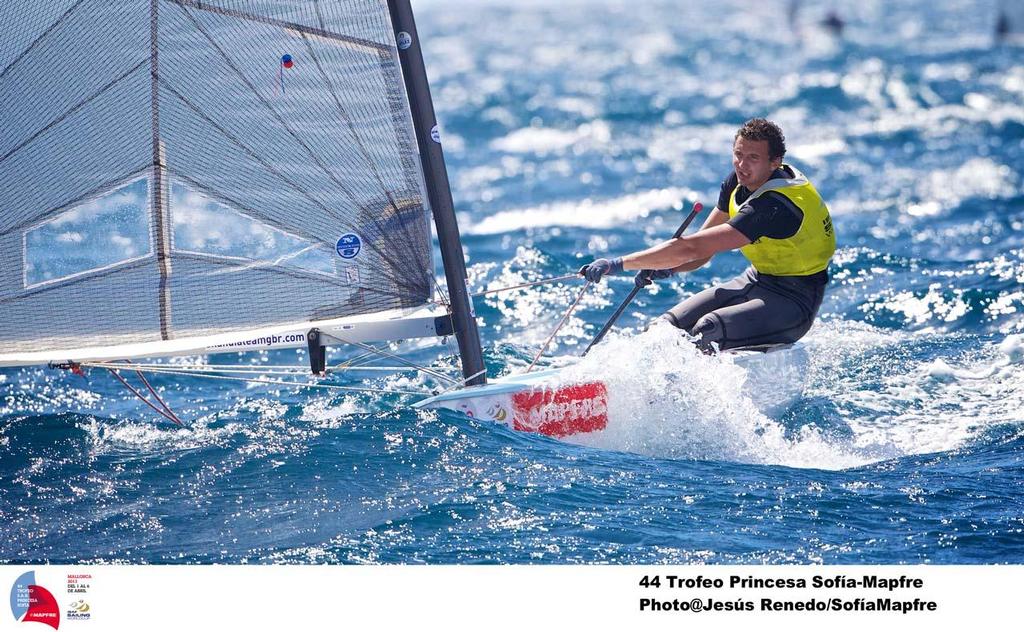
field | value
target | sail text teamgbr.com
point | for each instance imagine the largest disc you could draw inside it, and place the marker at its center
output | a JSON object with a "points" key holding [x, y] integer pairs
{"points": [[264, 341]]}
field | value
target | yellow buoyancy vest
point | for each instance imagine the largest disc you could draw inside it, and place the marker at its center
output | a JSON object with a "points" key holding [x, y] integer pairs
{"points": [[806, 252]]}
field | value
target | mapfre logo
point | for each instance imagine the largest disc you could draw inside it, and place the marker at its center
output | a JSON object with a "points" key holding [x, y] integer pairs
{"points": [[32, 602]]}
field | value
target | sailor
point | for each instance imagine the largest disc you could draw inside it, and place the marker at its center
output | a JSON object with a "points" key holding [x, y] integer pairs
{"points": [[1002, 26], [773, 214]]}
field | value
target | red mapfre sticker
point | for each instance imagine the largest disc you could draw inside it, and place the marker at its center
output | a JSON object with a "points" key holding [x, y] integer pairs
{"points": [[561, 411], [43, 607]]}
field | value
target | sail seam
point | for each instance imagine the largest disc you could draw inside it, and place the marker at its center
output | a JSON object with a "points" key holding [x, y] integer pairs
{"points": [[287, 271], [41, 37], [161, 230], [64, 282], [67, 204], [73, 109], [284, 24]]}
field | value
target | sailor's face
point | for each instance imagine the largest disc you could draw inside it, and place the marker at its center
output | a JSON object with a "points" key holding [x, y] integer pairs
{"points": [[751, 162]]}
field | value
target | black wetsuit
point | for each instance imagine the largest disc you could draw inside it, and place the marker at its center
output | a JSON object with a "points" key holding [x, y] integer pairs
{"points": [[754, 309]]}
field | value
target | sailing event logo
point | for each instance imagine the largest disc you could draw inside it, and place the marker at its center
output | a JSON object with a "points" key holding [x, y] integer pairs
{"points": [[78, 585], [32, 602], [79, 611], [349, 246]]}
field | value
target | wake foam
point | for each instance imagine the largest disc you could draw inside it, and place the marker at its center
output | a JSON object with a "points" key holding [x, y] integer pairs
{"points": [[870, 396], [667, 399], [902, 395], [108, 437]]}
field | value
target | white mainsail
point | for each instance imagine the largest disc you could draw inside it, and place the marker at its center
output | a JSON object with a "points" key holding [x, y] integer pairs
{"points": [[177, 175]]}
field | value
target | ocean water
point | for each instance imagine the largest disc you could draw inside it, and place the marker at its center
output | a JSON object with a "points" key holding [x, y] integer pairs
{"points": [[582, 129]]}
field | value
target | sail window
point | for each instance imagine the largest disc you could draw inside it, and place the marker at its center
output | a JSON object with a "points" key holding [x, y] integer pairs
{"points": [[100, 233], [205, 226]]}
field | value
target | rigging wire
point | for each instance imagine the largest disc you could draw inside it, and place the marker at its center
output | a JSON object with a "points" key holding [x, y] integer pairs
{"points": [[564, 277], [399, 358], [236, 372], [282, 369], [168, 415], [113, 366], [208, 371], [461, 383], [355, 363], [447, 304], [358, 360], [156, 395], [242, 370], [565, 318], [444, 296]]}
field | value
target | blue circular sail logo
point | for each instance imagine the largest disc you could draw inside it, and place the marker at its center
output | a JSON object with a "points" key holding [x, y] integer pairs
{"points": [[349, 246]]}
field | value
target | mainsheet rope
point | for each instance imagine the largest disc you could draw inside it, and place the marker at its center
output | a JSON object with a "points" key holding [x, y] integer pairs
{"points": [[171, 371]]}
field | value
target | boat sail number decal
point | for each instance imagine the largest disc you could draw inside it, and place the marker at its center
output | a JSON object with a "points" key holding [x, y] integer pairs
{"points": [[349, 246]]}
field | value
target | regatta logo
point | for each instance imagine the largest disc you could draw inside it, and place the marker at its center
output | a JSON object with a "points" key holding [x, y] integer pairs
{"points": [[32, 602], [497, 412], [79, 611]]}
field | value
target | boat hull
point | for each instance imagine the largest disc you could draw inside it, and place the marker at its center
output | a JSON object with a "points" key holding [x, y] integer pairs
{"points": [[532, 402]]}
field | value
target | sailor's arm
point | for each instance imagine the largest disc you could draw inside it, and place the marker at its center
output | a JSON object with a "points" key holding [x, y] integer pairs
{"points": [[679, 254], [716, 218]]}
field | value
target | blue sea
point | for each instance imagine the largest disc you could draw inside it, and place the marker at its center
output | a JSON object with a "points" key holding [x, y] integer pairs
{"points": [[575, 130]]}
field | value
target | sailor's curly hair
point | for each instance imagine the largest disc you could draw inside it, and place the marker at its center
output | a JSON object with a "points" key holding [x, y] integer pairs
{"points": [[763, 129]]}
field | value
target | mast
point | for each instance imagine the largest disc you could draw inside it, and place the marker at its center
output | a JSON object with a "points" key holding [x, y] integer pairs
{"points": [[439, 192]]}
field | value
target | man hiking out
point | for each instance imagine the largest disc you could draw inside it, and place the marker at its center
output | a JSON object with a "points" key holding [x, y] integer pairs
{"points": [[774, 215]]}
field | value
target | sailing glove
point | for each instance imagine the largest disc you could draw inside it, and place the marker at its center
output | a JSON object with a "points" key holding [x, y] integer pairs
{"points": [[600, 267], [644, 278]]}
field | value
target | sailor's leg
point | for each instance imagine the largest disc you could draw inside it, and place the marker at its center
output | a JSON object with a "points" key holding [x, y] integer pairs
{"points": [[686, 314], [774, 313]]}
